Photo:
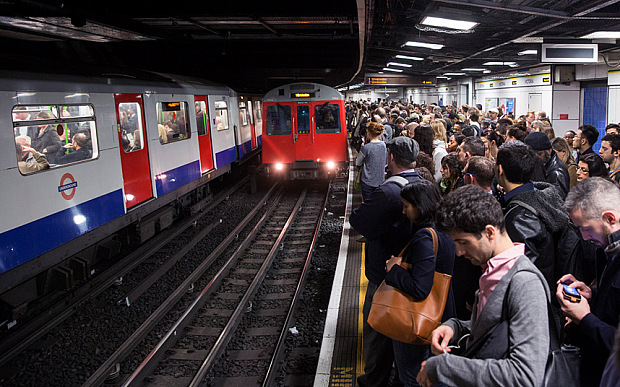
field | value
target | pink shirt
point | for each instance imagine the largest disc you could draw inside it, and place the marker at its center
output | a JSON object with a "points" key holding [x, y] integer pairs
{"points": [[494, 270]]}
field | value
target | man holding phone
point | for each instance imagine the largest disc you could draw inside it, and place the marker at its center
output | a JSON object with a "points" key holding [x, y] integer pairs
{"points": [[594, 207], [512, 289]]}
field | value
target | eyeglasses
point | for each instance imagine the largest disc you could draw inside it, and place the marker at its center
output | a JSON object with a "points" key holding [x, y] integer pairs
{"points": [[467, 174], [582, 169], [569, 137]]}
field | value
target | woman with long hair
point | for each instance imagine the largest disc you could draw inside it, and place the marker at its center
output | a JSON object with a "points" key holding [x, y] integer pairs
{"points": [[451, 174], [561, 148], [439, 146], [420, 203], [372, 158]]}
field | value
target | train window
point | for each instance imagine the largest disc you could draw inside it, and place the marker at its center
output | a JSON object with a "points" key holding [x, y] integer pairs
{"points": [[173, 122], [243, 113], [221, 115], [258, 112], [327, 118], [52, 136], [202, 117], [132, 129], [250, 115], [278, 120]]}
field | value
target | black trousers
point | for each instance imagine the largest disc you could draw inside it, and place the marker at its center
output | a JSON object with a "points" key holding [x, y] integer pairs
{"points": [[378, 352]]}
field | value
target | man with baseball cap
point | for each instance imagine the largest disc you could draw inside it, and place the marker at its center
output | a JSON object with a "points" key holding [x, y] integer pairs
{"points": [[493, 114], [556, 172], [381, 221]]}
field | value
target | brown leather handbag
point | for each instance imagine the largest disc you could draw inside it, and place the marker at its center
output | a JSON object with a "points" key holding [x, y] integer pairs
{"points": [[399, 316]]}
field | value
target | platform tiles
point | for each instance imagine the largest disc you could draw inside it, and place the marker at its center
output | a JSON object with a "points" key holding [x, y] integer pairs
{"points": [[342, 360]]}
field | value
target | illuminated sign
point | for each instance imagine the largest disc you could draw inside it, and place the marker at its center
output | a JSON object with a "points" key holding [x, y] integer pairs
{"points": [[373, 79], [302, 95]]}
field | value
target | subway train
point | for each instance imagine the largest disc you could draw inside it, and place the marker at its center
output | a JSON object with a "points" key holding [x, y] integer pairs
{"points": [[121, 151], [304, 131]]}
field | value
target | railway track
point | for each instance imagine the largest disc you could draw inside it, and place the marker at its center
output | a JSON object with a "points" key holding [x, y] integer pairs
{"points": [[240, 318]]}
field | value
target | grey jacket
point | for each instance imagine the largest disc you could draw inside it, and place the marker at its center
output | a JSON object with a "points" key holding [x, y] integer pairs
{"points": [[529, 335]]}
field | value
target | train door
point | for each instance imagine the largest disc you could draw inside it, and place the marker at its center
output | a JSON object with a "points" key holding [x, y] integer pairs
{"points": [[304, 133], [251, 108], [133, 147], [204, 135], [279, 136]]}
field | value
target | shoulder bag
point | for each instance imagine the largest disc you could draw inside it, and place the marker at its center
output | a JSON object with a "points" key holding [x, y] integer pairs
{"points": [[399, 316]]}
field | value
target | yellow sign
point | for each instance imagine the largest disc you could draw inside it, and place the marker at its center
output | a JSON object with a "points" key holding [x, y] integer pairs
{"points": [[377, 81], [302, 95]]}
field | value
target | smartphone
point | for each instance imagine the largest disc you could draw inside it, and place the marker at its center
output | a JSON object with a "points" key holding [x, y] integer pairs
{"points": [[571, 294]]}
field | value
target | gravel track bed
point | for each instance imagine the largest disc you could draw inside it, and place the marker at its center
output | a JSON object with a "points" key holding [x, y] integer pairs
{"points": [[67, 355]]}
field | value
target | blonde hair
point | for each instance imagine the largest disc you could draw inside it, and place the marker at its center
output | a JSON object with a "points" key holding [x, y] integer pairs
{"points": [[440, 131], [163, 138]]}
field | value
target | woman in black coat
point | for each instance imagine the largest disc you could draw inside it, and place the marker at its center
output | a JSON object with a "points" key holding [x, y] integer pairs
{"points": [[420, 202]]}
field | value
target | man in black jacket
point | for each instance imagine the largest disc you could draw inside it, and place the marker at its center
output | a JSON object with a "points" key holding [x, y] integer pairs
{"points": [[387, 230], [594, 206], [586, 137], [534, 211], [78, 150], [556, 172]]}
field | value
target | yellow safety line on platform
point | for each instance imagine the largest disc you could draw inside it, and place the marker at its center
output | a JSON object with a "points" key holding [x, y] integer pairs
{"points": [[360, 319]]}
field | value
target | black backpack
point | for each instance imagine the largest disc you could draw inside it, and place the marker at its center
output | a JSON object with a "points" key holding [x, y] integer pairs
{"points": [[570, 248]]}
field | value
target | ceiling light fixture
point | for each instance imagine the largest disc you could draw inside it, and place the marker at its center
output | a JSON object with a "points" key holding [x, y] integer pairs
{"points": [[399, 64], [432, 46], [395, 70], [454, 74], [528, 52], [602, 35], [499, 63], [408, 57], [472, 69], [448, 23], [486, 72]]}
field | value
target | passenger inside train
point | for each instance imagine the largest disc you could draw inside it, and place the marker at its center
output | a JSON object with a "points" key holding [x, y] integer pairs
{"points": [[527, 219]]}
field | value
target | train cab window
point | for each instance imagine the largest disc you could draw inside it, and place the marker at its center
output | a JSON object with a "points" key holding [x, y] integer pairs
{"points": [[52, 136], [173, 122], [278, 120], [250, 110], [327, 118], [221, 115], [243, 113], [132, 129], [202, 118]]}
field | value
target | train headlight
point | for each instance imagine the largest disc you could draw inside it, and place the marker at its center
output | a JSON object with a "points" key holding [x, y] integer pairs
{"points": [[279, 167], [331, 165]]}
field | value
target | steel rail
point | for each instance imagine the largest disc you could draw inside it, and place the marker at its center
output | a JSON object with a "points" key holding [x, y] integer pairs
{"points": [[20, 340], [99, 376], [227, 334], [170, 338], [277, 354]]}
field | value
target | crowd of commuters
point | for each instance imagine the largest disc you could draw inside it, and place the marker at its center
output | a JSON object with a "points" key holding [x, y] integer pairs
{"points": [[519, 214]]}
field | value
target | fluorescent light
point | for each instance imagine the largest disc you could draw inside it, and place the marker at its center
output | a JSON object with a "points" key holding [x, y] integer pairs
{"points": [[602, 35], [499, 63], [453, 74], [528, 52], [441, 76], [395, 70], [514, 65], [448, 23], [408, 57], [486, 72], [472, 69], [398, 64], [425, 45]]}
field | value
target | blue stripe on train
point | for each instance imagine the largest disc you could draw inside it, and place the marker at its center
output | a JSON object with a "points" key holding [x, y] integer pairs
{"points": [[26, 242], [245, 148], [177, 177], [259, 140], [225, 157]]}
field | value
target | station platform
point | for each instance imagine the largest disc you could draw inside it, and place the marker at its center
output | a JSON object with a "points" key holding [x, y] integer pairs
{"points": [[342, 359]]}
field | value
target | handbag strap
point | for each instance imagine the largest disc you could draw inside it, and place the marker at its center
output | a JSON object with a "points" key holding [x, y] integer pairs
{"points": [[435, 240]]}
